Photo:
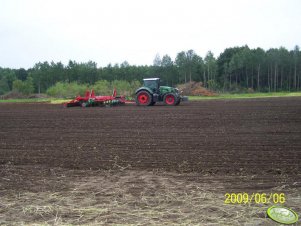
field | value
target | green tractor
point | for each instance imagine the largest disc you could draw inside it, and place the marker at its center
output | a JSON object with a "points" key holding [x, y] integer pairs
{"points": [[151, 92]]}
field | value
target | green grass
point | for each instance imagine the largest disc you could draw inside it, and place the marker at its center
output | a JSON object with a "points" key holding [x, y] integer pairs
{"points": [[193, 98], [58, 101], [36, 100], [247, 95]]}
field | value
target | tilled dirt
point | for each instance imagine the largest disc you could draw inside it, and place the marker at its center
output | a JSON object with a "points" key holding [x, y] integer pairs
{"points": [[221, 146], [249, 136]]}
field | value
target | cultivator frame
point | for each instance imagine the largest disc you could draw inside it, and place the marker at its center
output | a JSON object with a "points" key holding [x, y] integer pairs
{"points": [[90, 100]]}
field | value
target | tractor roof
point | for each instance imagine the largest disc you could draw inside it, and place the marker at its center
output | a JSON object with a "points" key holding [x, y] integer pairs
{"points": [[151, 79]]}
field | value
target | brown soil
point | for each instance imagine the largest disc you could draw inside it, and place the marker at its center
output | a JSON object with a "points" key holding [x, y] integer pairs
{"points": [[148, 165], [195, 89]]}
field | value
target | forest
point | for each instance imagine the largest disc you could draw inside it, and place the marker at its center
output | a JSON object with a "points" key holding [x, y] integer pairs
{"points": [[236, 69]]}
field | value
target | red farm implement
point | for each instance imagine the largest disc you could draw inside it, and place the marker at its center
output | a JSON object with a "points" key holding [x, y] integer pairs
{"points": [[90, 100]]}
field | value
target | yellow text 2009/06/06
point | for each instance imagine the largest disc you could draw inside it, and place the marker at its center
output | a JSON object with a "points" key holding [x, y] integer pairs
{"points": [[263, 198]]}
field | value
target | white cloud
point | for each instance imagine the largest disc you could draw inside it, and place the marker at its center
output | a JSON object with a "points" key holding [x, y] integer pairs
{"points": [[116, 30]]}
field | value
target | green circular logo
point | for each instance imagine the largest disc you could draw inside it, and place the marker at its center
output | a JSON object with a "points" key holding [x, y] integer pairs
{"points": [[282, 215]]}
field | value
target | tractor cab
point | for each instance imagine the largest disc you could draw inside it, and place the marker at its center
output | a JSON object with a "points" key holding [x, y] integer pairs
{"points": [[152, 83]]}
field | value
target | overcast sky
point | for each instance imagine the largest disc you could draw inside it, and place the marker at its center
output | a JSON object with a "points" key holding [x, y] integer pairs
{"points": [[112, 31]]}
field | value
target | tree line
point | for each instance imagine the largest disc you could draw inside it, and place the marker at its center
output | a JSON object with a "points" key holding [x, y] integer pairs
{"points": [[236, 69]]}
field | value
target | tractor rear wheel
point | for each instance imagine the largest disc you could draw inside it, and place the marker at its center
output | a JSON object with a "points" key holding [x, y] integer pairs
{"points": [[170, 99], [143, 98]]}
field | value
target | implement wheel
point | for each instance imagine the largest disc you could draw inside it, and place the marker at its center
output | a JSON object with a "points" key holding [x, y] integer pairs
{"points": [[170, 99], [143, 98]]}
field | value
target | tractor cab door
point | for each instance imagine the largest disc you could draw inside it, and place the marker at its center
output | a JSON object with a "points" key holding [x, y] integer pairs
{"points": [[157, 86], [153, 84]]}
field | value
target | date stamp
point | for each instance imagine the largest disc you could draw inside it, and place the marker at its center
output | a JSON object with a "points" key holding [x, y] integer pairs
{"points": [[255, 198]]}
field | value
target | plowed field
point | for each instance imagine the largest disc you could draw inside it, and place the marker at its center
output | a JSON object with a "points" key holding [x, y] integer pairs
{"points": [[135, 165]]}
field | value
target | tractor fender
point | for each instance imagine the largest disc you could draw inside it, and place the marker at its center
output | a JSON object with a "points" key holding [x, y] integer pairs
{"points": [[145, 89]]}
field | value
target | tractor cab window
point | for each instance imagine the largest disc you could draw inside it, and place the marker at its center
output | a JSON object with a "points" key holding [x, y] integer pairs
{"points": [[152, 84], [162, 83]]}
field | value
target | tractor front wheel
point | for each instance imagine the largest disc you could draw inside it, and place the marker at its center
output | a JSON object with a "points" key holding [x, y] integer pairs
{"points": [[143, 98], [170, 99]]}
